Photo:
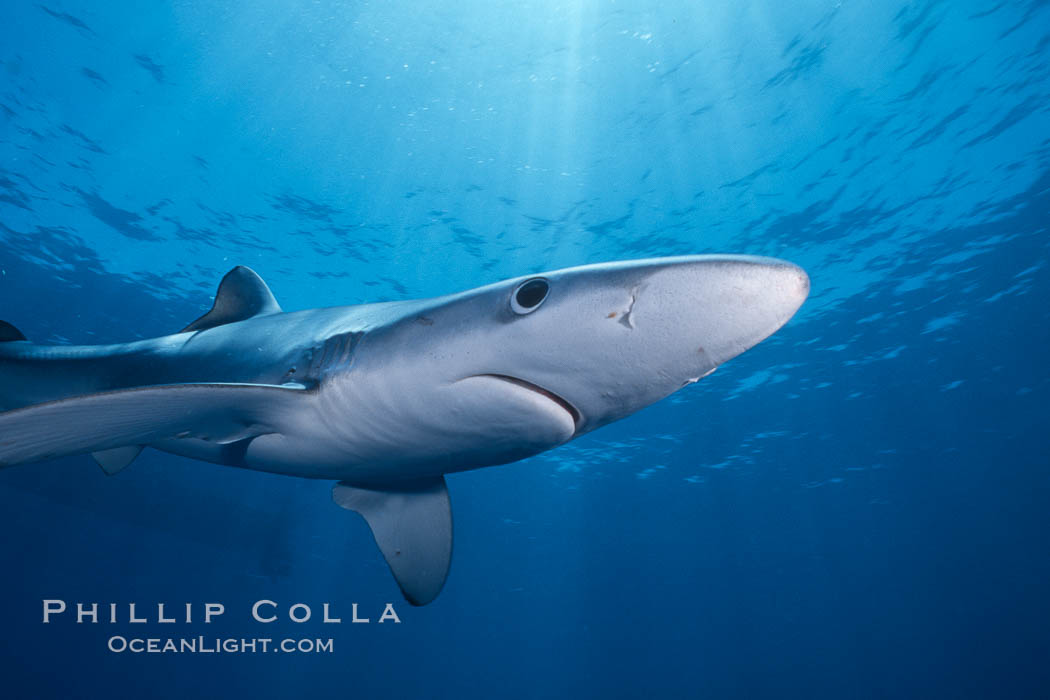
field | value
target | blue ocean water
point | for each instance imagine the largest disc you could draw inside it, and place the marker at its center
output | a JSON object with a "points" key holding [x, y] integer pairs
{"points": [[855, 508]]}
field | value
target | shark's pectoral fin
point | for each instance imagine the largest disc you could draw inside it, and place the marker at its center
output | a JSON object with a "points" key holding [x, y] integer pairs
{"points": [[112, 461], [100, 422], [413, 528]]}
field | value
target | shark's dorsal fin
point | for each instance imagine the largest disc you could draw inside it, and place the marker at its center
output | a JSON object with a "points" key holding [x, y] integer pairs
{"points": [[413, 527], [9, 333], [242, 294]]}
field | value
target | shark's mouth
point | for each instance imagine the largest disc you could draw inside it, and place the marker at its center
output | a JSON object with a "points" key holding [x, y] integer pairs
{"points": [[549, 395]]}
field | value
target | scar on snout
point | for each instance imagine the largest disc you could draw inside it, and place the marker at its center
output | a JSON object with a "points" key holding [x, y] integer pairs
{"points": [[425, 321], [612, 314], [626, 318]]}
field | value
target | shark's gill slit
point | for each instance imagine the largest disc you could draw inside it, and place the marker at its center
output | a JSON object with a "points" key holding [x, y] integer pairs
{"points": [[568, 407]]}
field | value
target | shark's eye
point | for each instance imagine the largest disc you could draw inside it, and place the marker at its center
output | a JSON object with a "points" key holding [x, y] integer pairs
{"points": [[529, 296]]}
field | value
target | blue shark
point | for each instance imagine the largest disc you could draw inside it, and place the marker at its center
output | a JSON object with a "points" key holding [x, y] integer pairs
{"points": [[388, 398]]}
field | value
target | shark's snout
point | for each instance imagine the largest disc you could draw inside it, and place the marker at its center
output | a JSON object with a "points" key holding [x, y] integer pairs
{"points": [[660, 325], [782, 288], [775, 290], [793, 283], [724, 304]]}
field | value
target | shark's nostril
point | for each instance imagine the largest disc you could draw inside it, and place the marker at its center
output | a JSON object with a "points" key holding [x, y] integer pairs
{"points": [[800, 280]]}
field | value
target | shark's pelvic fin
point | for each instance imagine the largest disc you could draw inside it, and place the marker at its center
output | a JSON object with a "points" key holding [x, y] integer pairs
{"points": [[129, 417], [9, 333], [112, 461], [413, 528], [242, 294]]}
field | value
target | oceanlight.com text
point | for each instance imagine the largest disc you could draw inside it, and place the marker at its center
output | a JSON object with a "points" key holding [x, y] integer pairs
{"points": [[216, 645]]}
